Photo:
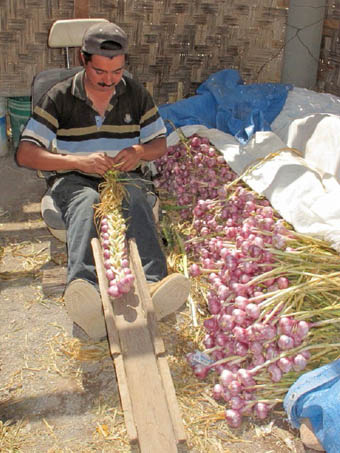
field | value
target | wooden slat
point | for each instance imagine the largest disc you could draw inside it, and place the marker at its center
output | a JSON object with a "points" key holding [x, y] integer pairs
{"points": [[175, 413], [126, 401], [146, 301], [146, 389], [149, 403], [81, 9], [107, 306], [114, 344], [147, 394], [54, 281]]}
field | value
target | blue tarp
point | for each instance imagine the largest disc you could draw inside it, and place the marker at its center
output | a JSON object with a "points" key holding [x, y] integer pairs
{"points": [[225, 103], [316, 396]]}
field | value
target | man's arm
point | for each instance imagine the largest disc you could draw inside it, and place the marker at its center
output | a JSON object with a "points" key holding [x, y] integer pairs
{"points": [[128, 158], [33, 156]]}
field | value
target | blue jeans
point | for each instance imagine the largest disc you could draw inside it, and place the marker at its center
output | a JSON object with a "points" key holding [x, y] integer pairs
{"points": [[76, 194]]}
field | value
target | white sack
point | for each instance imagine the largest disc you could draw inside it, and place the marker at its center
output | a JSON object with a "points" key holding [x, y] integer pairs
{"points": [[300, 103], [318, 138], [305, 194]]}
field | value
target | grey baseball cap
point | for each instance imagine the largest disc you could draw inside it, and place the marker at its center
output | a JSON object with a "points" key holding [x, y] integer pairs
{"points": [[100, 37]]}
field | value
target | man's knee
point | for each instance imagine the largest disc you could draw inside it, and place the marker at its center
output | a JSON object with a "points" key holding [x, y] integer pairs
{"points": [[85, 197], [136, 194]]}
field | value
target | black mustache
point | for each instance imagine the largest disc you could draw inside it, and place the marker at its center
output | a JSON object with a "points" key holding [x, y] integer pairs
{"points": [[105, 85]]}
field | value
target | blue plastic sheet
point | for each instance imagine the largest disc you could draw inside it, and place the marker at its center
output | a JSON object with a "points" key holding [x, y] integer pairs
{"points": [[225, 103], [316, 396]]}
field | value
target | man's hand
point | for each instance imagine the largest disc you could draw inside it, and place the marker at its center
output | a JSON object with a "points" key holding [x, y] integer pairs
{"points": [[95, 163], [33, 156], [128, 158]]}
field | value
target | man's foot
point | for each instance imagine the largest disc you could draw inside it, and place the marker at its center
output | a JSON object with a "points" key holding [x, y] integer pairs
{"points": [[84, 307], [80, 334], [169, 294]]}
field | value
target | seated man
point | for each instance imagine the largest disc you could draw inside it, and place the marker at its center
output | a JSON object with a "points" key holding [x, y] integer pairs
{"points": [[99, 118]]}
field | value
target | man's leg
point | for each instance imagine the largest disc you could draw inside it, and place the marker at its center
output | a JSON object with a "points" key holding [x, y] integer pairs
{"points": [[137, 211], [76, 195], [168, 293]]}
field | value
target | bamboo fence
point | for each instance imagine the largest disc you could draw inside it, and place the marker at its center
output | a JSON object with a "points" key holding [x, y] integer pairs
{"points": [[174, 45]]}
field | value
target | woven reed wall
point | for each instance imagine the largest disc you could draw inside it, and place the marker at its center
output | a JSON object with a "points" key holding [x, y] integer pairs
{"points": [[24, 26], [329, 65], [174, 45]]}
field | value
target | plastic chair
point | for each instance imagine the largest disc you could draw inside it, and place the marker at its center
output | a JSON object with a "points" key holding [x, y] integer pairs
{"points": [[64, 34]]}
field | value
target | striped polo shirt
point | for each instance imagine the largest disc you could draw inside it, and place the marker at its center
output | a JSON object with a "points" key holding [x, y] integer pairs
{"points": [[65, 118]]}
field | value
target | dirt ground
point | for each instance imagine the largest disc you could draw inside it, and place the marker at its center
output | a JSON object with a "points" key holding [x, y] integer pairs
{"points": [[59, 394]]}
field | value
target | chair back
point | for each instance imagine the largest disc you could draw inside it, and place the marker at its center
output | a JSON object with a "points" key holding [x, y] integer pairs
{"points": [[45, 80], [63, 34]]}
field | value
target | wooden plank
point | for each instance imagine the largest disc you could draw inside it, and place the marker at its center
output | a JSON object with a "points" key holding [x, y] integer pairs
{"points": [[81, 9], [54, 281], [145, 298], [175, 413], [332, 23], [149, 403], [107, 306], [126, 401], [146, 389], [144, 295], [114, 344]]}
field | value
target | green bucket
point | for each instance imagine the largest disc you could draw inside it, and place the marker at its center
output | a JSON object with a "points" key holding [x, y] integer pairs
{"points": [[19, 109]]}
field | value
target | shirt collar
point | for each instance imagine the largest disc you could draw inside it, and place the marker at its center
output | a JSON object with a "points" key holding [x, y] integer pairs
{"points": [[78, 88]]}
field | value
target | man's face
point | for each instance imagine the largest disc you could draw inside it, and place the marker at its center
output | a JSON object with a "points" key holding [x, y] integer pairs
{"points": [[103, 73]]}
